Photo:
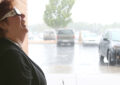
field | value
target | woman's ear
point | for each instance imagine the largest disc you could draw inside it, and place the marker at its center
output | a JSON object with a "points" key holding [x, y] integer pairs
{"points": [[3, 26], [2, 30]]}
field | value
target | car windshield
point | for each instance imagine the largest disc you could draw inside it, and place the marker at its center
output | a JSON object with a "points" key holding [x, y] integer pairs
{"points": [[65, 32], [115, 35], [89, 35]]}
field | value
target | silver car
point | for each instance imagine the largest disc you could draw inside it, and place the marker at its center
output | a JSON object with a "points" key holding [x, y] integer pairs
{"points": [[49, 35], [109, 47]]}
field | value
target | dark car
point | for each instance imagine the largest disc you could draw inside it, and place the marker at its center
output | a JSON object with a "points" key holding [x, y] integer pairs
{"points": [[109, 47], [65, 37]]}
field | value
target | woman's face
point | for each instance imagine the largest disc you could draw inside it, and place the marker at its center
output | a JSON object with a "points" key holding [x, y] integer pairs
{"points": [[16, 27], [17, 21]]}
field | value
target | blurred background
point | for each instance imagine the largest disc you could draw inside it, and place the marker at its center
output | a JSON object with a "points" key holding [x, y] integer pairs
{"points": [[75, 36]]}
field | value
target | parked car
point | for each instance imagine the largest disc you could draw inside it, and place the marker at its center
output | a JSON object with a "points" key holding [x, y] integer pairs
{"points": [[109, 46], [49, 35], [65, 37], [33, 36], [89, 38]]}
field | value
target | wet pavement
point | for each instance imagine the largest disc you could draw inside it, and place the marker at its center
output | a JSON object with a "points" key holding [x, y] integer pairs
{"points": [[78, 65], [70, 60]]}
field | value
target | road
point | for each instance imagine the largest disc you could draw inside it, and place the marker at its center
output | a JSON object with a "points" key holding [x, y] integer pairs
{"points": [[78, 59]]}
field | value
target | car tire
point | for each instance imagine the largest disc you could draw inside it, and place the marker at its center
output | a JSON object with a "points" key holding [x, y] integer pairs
{"points": [[58, 44], [72, 44], [110, 61], [101, 61]]}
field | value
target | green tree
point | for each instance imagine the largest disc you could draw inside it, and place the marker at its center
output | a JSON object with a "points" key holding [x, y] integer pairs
{"points": [[57, 13]]}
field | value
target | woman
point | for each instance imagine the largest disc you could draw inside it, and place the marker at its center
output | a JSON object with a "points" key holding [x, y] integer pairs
{"points": [[16, 68]]}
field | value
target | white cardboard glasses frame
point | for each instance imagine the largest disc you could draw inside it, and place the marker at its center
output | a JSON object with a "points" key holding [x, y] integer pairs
{"points": [[11, 13]]}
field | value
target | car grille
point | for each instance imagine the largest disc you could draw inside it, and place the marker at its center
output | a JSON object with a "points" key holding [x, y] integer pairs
{"points": [[118, 52]]}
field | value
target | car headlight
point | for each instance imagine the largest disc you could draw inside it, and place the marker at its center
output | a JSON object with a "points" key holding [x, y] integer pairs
{"points": [[116, 46]]}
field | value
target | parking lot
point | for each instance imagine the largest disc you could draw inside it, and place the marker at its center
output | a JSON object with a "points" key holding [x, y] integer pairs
{"points": [[62, 62], [75, 59]]}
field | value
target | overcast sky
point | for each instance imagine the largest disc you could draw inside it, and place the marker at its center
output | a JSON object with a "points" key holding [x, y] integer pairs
{"points": [[91, 11]]}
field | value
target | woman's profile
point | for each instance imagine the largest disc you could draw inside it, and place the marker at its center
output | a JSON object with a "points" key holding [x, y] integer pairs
{"points": [[16, 68]]}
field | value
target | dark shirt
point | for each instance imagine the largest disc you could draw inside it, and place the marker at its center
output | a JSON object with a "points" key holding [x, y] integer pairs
{"points": [[16, 68]]}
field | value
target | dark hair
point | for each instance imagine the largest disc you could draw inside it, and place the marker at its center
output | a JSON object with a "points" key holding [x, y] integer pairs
{"points": [[5, 6], [2, 33]]}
